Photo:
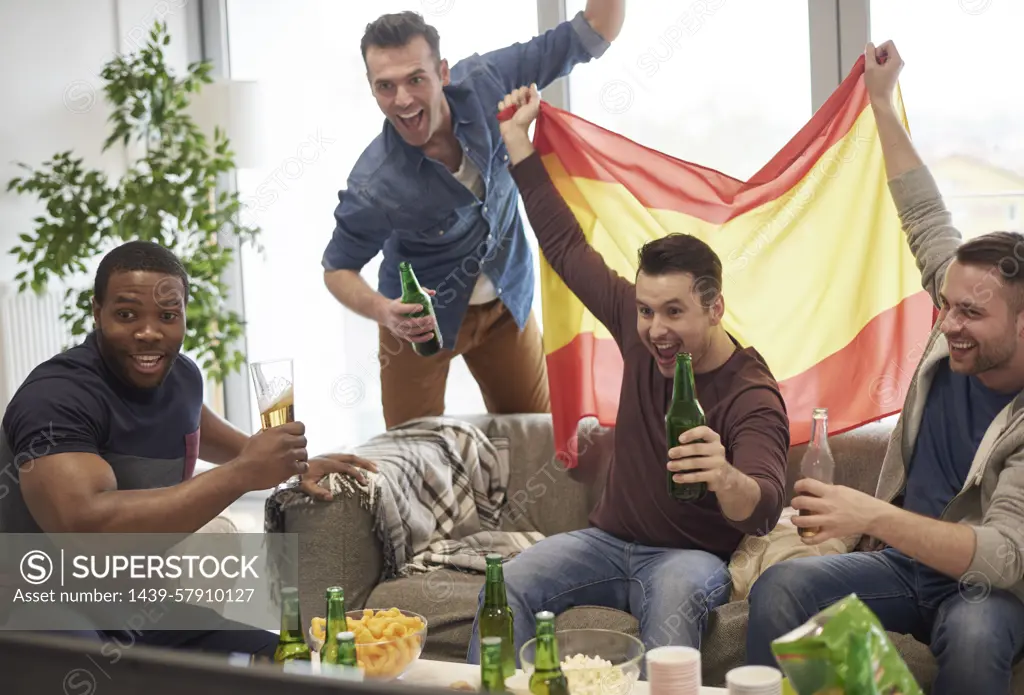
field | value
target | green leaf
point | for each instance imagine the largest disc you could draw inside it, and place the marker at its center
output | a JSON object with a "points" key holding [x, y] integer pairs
{"points": [[170, 195]]}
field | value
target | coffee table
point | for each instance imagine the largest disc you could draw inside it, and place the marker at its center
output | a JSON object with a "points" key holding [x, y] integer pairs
{"points": [[444, 673]]}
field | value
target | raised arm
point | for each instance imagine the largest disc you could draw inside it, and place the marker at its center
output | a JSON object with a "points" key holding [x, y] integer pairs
{"points": [[608, 296], [553, 54], [926, 222]]}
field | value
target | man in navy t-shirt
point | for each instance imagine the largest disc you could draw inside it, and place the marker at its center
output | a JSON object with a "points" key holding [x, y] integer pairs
{"points": [[104, 437]]}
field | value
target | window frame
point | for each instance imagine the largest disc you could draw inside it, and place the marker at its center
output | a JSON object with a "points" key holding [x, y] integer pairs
{"points": [[837, 31]]}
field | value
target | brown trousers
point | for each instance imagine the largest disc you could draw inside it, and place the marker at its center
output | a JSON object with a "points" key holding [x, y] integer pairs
{"points": [[508, 364]]}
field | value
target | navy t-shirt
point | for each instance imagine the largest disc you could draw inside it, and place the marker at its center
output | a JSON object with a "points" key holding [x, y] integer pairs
{"points": [[958, 411], [73, 402]]}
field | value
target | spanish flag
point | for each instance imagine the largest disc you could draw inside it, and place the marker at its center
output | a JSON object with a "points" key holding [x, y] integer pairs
{"points": [[817, 274]]}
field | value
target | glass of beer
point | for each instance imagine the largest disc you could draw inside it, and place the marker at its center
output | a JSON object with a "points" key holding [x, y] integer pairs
{"points": [[274, 392]]}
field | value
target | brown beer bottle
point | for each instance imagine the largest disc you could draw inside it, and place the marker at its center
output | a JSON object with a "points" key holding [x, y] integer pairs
{"points": [[684, 413], [412, 293], [817, 461]]}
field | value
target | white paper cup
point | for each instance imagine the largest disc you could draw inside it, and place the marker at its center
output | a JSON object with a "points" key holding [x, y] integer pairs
{"points": [[673, 656], [674, 670], [754, 680]]}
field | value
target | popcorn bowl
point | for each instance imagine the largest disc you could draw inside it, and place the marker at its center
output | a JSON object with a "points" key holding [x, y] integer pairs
{"points": [[387, 643], [623, 652]]}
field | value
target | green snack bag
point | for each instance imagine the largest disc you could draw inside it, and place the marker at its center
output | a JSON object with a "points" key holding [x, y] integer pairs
{"points": [[843, 650]]}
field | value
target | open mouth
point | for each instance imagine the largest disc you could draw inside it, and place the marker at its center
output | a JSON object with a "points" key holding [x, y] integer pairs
{"points": [[412, 121], [666, 353], [149, 363], [958, 349]]}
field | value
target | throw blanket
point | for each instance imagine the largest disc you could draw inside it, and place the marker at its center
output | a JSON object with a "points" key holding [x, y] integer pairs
{"points": [[756, 554], [436, 500]]}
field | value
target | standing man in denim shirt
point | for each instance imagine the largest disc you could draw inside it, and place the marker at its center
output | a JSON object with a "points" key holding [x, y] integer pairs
{"points": [[434, 189]]}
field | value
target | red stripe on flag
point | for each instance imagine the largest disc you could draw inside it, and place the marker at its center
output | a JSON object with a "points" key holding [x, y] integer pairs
{"points": [[586, 376], [859, 383], [662, 182]]}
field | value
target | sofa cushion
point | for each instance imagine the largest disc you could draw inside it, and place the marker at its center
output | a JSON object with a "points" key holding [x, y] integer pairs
{"points": [[598, 618], [725, 642]]}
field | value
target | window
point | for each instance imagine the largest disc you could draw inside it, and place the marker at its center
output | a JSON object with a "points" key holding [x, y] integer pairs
{"points": [[964, 111], [320, 118], [722, 84]]}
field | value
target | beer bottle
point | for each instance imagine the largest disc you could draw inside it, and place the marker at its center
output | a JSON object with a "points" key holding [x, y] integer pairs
{"points": [[817, 461], [412, 293], [547, 677], [492, 674], [346, 655], [336, 624], [684, 413], [495, 617], [291, 643]]}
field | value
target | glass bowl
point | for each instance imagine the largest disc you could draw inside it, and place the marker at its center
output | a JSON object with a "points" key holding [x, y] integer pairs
{"points": [[387, 641], [623, 651]]}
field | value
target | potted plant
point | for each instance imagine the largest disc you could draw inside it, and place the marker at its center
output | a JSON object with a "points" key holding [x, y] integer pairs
{"points": [[168, 195]]}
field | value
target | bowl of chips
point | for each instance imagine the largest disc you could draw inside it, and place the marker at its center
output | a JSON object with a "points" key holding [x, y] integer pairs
{"points": [[387, 641]]}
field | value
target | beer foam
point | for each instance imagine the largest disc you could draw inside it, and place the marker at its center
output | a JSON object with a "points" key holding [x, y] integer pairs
{"points": [[277, 393]]}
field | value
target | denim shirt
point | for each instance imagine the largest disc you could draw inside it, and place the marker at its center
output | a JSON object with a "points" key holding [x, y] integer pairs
{"points": [[414, 209]]}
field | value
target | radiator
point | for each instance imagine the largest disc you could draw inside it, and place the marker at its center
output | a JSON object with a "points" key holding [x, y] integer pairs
{"points": [[31, 332]]}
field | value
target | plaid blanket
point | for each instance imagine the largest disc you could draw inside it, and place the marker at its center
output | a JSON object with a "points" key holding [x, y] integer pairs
{"points": [[436, 500]]}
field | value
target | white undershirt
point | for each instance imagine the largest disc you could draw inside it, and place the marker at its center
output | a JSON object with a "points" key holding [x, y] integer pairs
{"points": [[469, 176]]}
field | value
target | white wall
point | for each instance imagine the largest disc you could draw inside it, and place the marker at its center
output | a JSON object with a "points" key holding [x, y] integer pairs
{"points": [[53, 52]]}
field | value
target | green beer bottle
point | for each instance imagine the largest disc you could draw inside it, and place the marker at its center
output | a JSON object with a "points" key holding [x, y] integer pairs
{"points": [[412, 293], [547, 677], [495, 618], [492, 675], [336, 623], [346, 655], [291, 643], [684, 413]]}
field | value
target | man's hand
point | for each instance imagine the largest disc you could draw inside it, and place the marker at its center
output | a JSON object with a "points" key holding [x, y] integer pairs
{"points": [[395, 317], [705, 458], [516, 130], [882, 68], [836, 511], [333, 463], [272, 456]]}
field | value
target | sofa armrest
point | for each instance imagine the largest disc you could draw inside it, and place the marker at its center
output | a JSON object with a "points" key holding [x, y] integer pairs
{"points": [[337, 547]]}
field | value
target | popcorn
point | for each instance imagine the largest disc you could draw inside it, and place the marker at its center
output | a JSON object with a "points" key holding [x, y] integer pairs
{"points": [[591, 675]]}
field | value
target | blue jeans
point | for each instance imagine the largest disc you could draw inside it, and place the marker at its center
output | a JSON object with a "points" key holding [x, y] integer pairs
{"points": [[975, 634], [669, 591]]}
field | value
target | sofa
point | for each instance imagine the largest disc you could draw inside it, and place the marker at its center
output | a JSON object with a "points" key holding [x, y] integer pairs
{"points": [[337, 544]]}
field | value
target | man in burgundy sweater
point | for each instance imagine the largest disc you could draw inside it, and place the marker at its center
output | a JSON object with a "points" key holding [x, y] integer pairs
{"points": [[662, 560]]}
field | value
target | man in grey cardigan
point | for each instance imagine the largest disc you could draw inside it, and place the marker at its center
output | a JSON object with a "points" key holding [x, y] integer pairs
{"points": [[948, 513]]}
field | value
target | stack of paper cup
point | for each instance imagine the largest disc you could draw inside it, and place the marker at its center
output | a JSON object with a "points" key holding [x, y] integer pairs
{"points": [[674, 671], [754, 680]]}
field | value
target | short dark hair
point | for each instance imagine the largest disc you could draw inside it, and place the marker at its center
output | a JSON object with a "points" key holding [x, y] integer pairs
{"points": [[1002, 250], [683, 253], [146, 256], [396, 30]]}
